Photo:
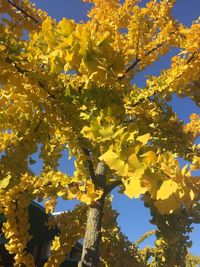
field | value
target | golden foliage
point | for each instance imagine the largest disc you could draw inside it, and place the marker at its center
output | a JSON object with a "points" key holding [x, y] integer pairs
{"points": [[69, 87]]}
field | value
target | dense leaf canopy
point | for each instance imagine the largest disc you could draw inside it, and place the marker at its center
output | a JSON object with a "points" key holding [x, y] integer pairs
{"points": [[71, 86]]}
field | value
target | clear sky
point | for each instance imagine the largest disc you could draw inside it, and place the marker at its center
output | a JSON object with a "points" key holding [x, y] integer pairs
{"points": [[133, 218]]}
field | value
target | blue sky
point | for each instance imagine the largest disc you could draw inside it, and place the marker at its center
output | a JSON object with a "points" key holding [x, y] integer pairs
{"points": [[133, 217]]}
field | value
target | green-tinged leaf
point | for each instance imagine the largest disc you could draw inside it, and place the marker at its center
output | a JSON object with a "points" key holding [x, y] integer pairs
{"points": [[133, 162]]}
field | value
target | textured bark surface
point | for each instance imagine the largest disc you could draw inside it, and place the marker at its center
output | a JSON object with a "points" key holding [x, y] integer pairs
{"points": [[90, 253]]}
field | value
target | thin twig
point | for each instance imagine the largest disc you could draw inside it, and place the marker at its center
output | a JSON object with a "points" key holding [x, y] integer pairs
{"points": [[47, 91], [138, 60], [191, 58], [143, 99], [40, 122], [154, 49]]}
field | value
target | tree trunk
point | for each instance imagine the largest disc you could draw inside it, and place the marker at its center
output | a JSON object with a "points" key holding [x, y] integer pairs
{"points": [[90, 254]]}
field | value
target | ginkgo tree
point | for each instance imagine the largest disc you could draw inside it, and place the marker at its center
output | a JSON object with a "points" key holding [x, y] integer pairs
{"points": [[71, 86]]}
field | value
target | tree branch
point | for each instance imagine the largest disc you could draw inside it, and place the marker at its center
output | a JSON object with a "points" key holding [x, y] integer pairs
{"points": [[23, 11], [8, 60], [156, 91], [111, 186], [143, 237], [40, 122], [90, 166], [47, 91], [100, 174], [191, 58], [138, 60], [154, 49]]}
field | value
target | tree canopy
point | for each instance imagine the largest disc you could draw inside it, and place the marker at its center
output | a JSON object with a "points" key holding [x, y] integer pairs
{"points": [[70, 85]]}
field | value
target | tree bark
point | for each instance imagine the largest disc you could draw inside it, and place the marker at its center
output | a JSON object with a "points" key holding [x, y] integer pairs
{"points": [[90, 255]]}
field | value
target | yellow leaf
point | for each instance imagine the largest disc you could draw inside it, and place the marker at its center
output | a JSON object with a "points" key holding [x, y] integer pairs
{"points": [[149, 157], [184, 170], [47, 24], [133, 185], [167, 188], [143, 138], [115, 163], [151, 183], [87, 132], [163, 259], [5, 182], [194, 167], [158, 242], [2, 47], [181, 194], [192, 195], [56, 243], [66, 26], [175, 59], [120, 75], [107, 132], [84, 42], [85, 199], [134, 162], [168, 205], [103, 37]]}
